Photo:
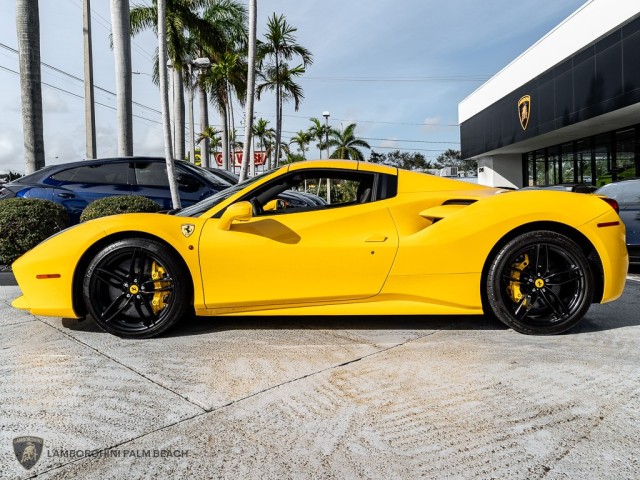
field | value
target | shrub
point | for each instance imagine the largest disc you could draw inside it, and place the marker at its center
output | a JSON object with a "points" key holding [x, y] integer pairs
{"points": [[25, 222], [116, 205]]}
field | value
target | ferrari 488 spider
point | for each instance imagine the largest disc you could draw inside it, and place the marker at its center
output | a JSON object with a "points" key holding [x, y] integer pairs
{"points": [[384, 241]]}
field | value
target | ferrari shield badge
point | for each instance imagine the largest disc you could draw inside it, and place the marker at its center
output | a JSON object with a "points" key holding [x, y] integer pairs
{"points": [[188, 229], [524, 111], [28, 450]]}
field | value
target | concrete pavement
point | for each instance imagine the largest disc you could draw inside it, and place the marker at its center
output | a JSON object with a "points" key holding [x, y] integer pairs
{"points": [[318, 397]]}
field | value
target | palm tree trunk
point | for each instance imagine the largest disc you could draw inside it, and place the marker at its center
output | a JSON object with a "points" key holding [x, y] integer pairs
{"points": [[164, 100], [278, 117], [178, 112], [204, 123], [122, 53], [225, 136], [28, 30], [251, 88]]}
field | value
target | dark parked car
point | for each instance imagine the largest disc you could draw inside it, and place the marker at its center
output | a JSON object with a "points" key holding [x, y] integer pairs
{"points": [[627, 194], [75, 185]]}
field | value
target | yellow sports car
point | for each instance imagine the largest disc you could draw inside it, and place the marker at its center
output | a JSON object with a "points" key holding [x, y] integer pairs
{"points": [[387, 241]]}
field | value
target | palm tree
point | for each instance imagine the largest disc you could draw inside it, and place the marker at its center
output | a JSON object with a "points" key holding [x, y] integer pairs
{"points": [[302, 139], [183, 20], [346, 143], [280, 46], [206, 138], [124, 96], [251, 90], [281, 81], [28, 30], [226, 77], [263, 133], [318, 132]]}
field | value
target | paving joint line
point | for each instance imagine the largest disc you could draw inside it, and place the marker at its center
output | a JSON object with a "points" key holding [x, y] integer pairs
{"points": [[205, 410]]}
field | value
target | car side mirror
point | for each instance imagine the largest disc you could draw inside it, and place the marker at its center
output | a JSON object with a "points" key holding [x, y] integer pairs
{"points": [[238, 212]]}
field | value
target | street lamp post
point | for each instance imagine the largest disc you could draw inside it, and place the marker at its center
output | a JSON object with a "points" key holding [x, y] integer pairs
{"points": [[199, 63], [325, 114]]}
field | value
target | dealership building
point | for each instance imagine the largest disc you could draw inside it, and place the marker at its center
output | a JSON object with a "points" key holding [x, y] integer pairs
{"points": [[567, 110]]}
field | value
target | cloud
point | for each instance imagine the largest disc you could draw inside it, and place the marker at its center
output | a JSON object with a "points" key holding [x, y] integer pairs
{"points": [[52, 102], [152, 142], [430, 124], [11, 150]]}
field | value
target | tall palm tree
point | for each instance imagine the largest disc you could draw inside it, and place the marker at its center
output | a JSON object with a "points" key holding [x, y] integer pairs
{"points": [[281, 80], [279, 47], [226, 77], [251, 90], [28, 30], [122, 54], [302, 139], [318, 132], [346, 143], [184, 19]]}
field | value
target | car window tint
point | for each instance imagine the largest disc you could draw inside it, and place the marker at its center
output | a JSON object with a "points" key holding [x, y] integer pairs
{"points": [[106, 173], [151, 174]]}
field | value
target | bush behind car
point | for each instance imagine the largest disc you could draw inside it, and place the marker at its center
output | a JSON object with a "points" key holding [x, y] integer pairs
{"points": [[25, 222], [116, 205]]}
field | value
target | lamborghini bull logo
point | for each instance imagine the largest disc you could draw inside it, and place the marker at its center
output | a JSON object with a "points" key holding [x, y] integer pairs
{"points": [[28, 450], [524, 111]]}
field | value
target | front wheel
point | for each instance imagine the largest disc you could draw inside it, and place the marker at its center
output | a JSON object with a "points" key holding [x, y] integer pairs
{"points": [[136, 288], [540, 283]]}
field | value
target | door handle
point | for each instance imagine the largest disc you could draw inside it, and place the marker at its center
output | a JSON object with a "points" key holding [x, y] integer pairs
{"points": [[66, 195], [376, 238]]}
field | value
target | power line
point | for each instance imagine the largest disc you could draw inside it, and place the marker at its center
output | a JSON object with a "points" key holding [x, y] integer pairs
{"points": [[79, 96], [443, 78], [79, 79]]}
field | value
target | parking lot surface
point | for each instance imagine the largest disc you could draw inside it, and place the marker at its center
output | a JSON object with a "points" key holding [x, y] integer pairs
{"points": [[324, 397]]}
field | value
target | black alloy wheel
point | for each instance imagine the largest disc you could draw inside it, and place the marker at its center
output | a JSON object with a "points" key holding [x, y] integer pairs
{"points": [[134, 288], [540, 283]]}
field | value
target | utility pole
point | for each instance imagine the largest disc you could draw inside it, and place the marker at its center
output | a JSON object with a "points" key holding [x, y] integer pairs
{"points": [[89, 104]]}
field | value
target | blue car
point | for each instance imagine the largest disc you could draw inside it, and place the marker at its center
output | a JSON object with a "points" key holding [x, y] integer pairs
{"points": [[75, 185], [627, 194]]}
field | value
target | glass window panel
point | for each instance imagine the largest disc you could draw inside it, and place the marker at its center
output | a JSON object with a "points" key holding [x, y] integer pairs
{"points": [[603, 159], [585, 174], [568, 164], [625, 154]]}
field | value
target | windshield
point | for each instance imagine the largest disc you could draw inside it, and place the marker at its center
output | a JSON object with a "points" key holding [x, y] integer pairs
{"points": [[210, 202]]}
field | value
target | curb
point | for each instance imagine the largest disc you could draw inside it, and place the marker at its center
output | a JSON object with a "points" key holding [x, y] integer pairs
{"points": [[7, 279]]}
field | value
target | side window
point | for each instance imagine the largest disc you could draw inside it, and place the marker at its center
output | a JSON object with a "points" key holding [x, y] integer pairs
{"points": [[106, 173], [151, 174], [320, 189]]}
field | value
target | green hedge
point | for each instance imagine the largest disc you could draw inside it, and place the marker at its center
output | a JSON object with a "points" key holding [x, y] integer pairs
{"points": [[116, 205], [25, 222]]}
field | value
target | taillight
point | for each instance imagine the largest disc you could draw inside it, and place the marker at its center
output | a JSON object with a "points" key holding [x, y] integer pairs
{"points": [[613, 203]]}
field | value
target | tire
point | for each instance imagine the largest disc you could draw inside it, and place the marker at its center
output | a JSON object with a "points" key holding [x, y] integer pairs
{"points": [[136, 288], [539, 283]]}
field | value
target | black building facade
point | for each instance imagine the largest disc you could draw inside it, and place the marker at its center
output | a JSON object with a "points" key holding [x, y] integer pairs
{"points": [[581, 122]]}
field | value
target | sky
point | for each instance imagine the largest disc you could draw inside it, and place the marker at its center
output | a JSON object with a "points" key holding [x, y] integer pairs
{"points": [[397, 68]]}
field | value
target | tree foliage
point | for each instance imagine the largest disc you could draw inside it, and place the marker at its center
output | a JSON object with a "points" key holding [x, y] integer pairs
{"points": [[405, 160]]}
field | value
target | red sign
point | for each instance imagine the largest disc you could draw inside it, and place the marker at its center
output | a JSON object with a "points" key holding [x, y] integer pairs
{"points": [[258, 157]]}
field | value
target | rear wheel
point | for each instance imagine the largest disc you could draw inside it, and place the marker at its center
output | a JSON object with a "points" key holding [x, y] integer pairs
{"points": [[135, 288], [540, 283]]}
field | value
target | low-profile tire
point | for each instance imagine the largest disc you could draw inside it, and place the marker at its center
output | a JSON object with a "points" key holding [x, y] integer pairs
{"points": [[539, 283], [136, 288]]}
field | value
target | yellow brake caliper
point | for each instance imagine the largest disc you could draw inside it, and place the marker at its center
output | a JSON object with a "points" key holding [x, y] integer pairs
{"points": [[513, 288], [158, 301]]}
